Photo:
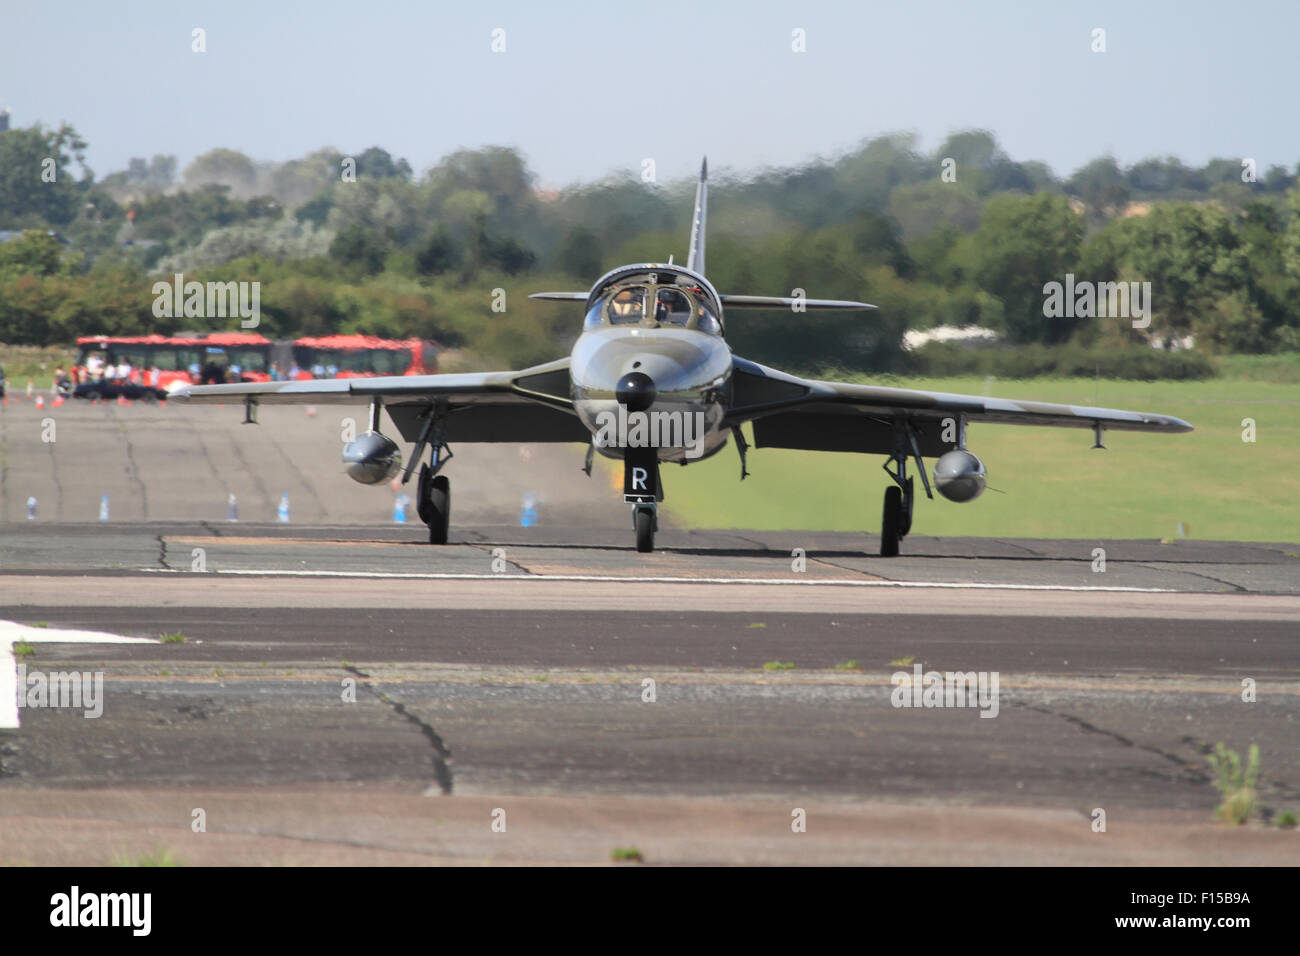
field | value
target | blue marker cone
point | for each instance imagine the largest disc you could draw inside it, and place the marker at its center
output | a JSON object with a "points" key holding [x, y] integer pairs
{"points": [[399, 507], [103, 508], [232, 508], [528, 515], [282, 513], [31, 508]]}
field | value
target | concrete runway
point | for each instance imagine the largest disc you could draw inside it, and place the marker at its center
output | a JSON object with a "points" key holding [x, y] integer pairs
{"points": [[504, 677]]}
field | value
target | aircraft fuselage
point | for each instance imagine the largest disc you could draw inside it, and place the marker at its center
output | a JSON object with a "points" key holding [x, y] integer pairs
{"points": [[667, 372]]}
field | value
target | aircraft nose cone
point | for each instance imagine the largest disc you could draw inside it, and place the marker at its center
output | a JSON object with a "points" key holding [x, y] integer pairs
{"points": [[636, 390]]}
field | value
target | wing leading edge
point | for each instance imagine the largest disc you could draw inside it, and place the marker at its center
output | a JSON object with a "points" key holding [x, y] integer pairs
{"points": [[530, 405], [793, 412]]}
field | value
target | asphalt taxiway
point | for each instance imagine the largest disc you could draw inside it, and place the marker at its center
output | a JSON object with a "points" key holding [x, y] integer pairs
{"points": [[349, 694], [334, 690]]}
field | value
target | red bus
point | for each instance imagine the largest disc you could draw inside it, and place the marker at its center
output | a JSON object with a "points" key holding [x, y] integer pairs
{"points": [[168, 362], [361, 356]]}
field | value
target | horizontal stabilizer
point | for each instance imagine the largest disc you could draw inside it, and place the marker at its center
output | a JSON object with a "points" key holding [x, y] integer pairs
{"points": [[782, 302]]}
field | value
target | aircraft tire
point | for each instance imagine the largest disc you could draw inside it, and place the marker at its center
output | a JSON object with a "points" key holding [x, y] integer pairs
{"points": [[439, 507], [422, 494], [645, 530], [891, 522]]}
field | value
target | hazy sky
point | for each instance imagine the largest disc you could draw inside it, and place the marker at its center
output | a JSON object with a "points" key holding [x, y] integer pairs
{"points": [[584, 89]]}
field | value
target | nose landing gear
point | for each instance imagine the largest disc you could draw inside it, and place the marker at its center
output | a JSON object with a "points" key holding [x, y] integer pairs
{"points": [[642, 489], [645, 519]]}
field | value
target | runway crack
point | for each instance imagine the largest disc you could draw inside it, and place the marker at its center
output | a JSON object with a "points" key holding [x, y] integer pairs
{"points": [[300, 474], [133, 470], [441, 753], [1192, 772], [508, 561], [1208, 577], [162, 553]]}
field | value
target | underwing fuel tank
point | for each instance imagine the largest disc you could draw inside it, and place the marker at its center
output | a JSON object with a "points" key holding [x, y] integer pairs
{"points": [[959, 475], [372, 458]]}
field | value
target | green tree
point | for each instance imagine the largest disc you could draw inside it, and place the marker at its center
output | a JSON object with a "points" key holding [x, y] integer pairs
{"points": [[37, 186], [1021, 245], [223, 167], [1190, 254], [1100, 184], [376, 163], [436, 254], [360, 247], [580, 254], [36, 252]]}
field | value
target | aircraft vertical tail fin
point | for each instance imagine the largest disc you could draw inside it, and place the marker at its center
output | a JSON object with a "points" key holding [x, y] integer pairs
{"points": [[695, 258]]}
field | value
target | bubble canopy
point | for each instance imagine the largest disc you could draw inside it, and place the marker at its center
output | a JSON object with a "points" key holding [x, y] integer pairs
{"points": [[653, 296]]}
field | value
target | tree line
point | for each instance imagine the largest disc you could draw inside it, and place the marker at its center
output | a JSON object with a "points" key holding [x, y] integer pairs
{"points": [[962, 235]]}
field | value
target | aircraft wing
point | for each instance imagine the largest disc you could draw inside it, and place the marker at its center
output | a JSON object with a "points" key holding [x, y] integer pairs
{"points": [[792, 412], [530, 405]]}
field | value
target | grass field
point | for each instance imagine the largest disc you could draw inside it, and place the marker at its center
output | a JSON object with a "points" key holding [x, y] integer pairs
{"points": [[1048, 481], [36, 363], [1051, 483]]}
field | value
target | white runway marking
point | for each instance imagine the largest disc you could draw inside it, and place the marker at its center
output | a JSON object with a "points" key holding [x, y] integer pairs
{"points": [[11, 631], [639, 579]]}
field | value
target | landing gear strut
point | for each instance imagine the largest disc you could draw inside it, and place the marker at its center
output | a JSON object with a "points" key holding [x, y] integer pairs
{"points": [[432, 490], [896, 520]]}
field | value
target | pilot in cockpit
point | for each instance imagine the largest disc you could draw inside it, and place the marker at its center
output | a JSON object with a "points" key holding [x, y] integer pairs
{"points": [[672, 307]]}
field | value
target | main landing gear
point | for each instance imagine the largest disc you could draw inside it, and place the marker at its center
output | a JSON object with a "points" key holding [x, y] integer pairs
{"points": [[433, 491], [896, 521], [434, 503]]}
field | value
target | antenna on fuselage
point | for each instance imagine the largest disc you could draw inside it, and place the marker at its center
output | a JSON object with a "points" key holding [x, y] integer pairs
{"points": [[695, 258]]}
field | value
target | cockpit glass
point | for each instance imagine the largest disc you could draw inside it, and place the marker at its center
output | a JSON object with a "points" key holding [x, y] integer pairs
{"points": [[627, 306], [655, 300], [706, 322], [672, 307]]}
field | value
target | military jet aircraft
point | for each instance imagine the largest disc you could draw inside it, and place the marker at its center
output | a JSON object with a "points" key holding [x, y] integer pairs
{"points": [[652, 379]]}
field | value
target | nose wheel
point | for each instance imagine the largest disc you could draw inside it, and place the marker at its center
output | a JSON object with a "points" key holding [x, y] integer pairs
{"points": [[645, 519]]}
